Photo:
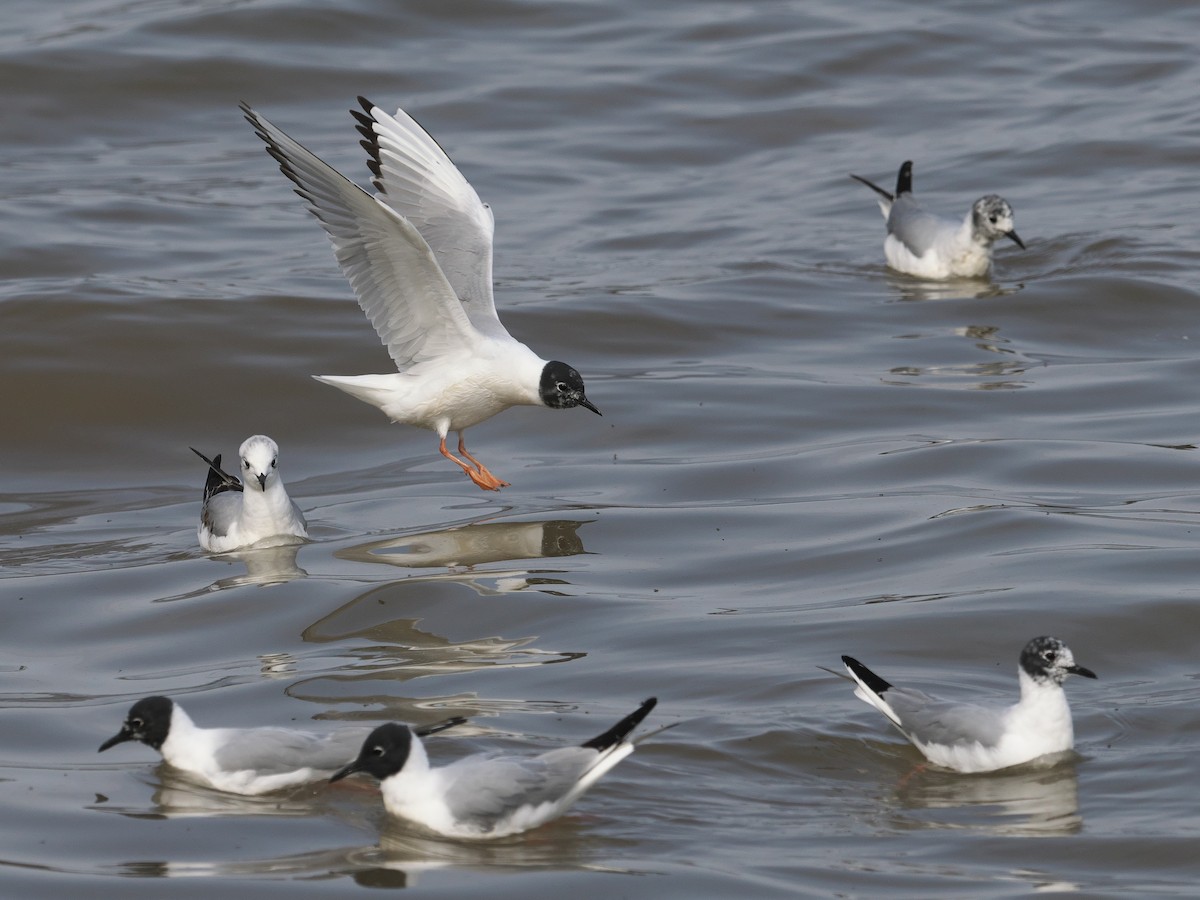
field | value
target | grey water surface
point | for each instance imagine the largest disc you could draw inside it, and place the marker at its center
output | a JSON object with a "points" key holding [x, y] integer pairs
{"points": [[801, 455]]}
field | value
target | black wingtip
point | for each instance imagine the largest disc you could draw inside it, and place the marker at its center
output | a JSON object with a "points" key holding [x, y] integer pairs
{"points": [[621, 730], [218, 479], [873, 682], [426, 730], [873, 186], [904, 178]]}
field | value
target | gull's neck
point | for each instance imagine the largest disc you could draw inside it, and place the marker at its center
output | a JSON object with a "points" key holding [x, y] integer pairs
{"points": [[263, 508], [407, 788], [1043, 710], [184, 740]]}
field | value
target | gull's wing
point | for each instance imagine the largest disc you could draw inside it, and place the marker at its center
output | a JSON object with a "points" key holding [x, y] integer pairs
{"points": [[915, 228], [416, 178], [273, 751], [933, 721], [483, 792], [390, 266], [220, 511]]}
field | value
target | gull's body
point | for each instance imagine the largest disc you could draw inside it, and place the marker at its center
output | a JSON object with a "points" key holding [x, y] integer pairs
{"points": [[927, 245], [240, 760], [971, 737], [258, 512], [418, 254], [482, 796]]}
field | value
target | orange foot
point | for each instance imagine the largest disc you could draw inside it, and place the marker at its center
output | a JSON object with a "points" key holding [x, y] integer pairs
{"points": [[918, 769], [496, 483], [478, 473]]}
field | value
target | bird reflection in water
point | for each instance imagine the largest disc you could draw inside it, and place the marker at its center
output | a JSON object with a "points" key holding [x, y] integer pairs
{"points": [[1037, 799]]}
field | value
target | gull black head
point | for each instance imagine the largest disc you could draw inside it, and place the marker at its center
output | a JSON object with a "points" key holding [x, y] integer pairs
{"points": [[561, 387], [993, 219], [149, 721], [383, 754], [1049, 659]]}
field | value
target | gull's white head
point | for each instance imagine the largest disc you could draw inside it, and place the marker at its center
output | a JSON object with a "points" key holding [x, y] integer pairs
{"points": [[260, 460], [993, 219], [1049, 660]]}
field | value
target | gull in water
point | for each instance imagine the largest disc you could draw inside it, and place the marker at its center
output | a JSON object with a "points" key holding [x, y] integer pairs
{"points": [[969, 737], [487, 797], [242, 760], [931, 246], [260, 512], [418, 254]]}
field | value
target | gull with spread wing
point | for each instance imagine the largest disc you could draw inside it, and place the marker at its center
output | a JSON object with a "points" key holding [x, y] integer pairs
{"points": [[418, 254]]}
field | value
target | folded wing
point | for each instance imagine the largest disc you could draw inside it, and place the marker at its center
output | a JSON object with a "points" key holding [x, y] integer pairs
{"points": [[933, 721], [917, 229], [486, 792], [272, 751]]}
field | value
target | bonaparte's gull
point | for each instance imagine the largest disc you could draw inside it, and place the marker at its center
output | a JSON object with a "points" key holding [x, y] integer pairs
{"points": [[418, 255], [931, 246], [242, 760], [259, 512], [487, 797], [971, 737]]}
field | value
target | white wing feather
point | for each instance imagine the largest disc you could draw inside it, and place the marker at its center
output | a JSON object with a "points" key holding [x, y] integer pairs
{"points": [[416, 178], [391, 268]]}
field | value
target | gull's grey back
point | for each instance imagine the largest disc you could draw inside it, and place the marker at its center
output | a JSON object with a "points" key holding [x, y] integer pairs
{"points": [[484, 791], [934, 721], [220, 511], [915, 227], [271, 751]]}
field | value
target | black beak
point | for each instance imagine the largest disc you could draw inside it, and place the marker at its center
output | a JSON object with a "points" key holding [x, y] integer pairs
{"points": [[1080, 670], [262, 480], [119, 738], [587, 404], [1012, 236], [344, 771]]}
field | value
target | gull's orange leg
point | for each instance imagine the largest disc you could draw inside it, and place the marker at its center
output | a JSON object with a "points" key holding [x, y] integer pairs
{"points": [[483, 470], [918, 769], [483, 479]]}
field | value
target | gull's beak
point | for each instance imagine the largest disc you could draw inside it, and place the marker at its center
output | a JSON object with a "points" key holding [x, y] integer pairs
{"points": [[119, 738], [344, 771], [1012, 236], [1080, 670], [587, 404], [262, 480]]}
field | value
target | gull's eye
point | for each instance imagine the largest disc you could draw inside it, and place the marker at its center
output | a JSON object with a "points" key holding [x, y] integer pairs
{"points": [[377, 750], [562, 387], [136, 723], [992, 219], [274, 461], [246, 464]]}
